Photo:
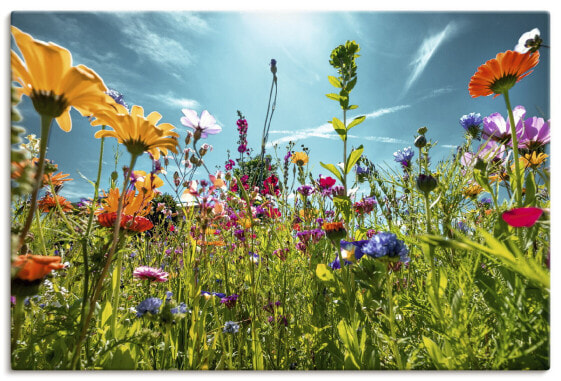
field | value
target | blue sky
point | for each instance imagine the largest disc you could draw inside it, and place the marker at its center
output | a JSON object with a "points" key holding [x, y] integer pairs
{"points": [[413, 71]]}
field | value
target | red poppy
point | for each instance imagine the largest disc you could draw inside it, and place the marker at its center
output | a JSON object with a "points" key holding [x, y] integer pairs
{"points": [[522, 217], [326, 182], [139, 224]]}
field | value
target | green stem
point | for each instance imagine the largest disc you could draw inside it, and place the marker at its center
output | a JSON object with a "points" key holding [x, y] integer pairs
{"points": [[45, 129], [40, 233], [393, 338], [116, 292], [86, 285], [18, 321], [427, 212], [99, 284], [517, 178], [345, 153]]}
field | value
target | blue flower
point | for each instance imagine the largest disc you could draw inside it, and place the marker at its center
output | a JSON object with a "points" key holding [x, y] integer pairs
{"points": [[169, 295], [404, 157], [231, 327], [471, 123], [386, 244], [361, 171], [117, 97], [351, 250], [336, 265], [151, 305], [181, 309]]}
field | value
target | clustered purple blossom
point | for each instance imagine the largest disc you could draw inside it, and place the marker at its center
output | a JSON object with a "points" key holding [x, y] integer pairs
{"points": [[240, 234], [242, 130], [386, 244], [404, 157], [229, 165], [306, 190], [151, 305], [471, 123], [365, 206], [230, 301]]}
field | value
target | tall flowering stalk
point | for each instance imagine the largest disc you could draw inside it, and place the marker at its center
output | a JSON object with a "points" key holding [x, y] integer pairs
{"points": [[343, 60]]}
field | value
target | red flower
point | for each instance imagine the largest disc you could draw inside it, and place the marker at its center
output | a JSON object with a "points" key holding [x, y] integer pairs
{"points": [[139, 224], [522, 217], [326, 182], [33, 267]]}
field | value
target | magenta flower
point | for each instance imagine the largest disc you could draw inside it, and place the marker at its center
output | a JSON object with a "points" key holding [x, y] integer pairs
{"points": [[522, 217], [536, 134], [498, 129], [204, 126], [151, 274]]}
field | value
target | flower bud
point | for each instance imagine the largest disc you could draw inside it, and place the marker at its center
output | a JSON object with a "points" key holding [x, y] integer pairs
{"points": [[426, 183], [114, 176], [422, 130], [421, 141], [188, 138], [194, 160]]}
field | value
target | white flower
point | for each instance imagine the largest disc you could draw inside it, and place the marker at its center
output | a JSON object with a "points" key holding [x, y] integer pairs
{"points": [[206, 125], [528, 41]]}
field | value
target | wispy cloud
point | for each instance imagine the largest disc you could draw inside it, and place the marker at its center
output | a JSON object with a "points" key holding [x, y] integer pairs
{"points": [[427, 49], [143, 35], [170, 98], [326, 131]]}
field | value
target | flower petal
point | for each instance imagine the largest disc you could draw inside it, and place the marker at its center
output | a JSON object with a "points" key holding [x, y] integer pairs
{"points": [[522, 217]]}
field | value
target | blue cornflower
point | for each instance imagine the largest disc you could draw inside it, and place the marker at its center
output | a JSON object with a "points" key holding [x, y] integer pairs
{"points": [[336, 264], [169, 295], [386, 244], [350, 250], [181, 309], [462, 226], [117, 97], [151, 305], [486, 201], [231, 327], [404, 157], [361, 171], [471, 123]]}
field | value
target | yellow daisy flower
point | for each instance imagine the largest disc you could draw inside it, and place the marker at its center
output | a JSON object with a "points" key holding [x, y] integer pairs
{"points": [[300, 158], [51, 82], [472, 190], [137, 132], [533, 160]]}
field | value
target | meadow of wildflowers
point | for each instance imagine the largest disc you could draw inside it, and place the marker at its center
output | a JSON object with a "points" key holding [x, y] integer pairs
{"points": [[260, 265]]}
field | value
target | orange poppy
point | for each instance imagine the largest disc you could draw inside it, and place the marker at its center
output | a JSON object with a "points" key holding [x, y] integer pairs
{"points": [[500, 74], [136, 223], [33, 267]]}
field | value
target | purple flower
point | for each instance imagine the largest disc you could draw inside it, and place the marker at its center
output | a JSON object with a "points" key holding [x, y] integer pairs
{"points": [[151, 305], [231, 327], [353, 249], [202, 127], [536, 134], [498, 129], [242, 148], [306, 190], [361, 171], [336, 265], [240, 234], [230, 301], [471, 123], [181, 309], [386, 244], [117, 97], [404, 157], [151, 274]]}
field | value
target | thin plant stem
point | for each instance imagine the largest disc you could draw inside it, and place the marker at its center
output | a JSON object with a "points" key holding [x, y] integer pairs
{"points": [[517, 178], [99, 284], [46, 122], [40, 233]]}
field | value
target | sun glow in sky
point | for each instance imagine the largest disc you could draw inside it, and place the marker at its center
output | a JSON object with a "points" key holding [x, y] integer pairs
{"points": [[413, 71]]}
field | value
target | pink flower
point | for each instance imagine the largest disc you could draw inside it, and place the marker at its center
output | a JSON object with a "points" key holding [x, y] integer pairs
{"points": [[498, 129], [204, 126], [151, 274], [536, 134], [522, 217]]}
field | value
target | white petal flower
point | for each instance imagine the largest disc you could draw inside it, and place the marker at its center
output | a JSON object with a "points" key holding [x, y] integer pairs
{"points": [[526, 41]]}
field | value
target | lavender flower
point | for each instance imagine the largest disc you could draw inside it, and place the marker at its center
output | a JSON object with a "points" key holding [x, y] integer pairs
{"points": [[181, 309], [471, 123], [230, 301], [536, 134], [386, 244], [231, 327], [497, 128], [202, 127], [306, 190], [151, 305], [404, 157], [117, 97]]}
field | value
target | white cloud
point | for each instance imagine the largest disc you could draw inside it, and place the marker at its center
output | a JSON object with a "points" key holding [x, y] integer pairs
{"points": [[184, 103], [427, 49], [326, 131]]}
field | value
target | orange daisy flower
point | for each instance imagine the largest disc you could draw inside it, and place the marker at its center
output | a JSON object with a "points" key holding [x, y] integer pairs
{"points": [[48, 202], [34, 267], [500, 74], [57, 179]]}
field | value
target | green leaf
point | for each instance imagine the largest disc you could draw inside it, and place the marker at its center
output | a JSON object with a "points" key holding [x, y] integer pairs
{"points": [[334, 81], [324, 273], [106, 313], [333, 169], [351, 84], [435, 354], [343, 205], [530, 193], [353, 158], [339, 127], [335, 97], [352, 107], [356, 121]]}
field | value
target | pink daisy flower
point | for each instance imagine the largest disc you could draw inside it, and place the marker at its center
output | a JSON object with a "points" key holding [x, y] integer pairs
{"points": [[151, 274]]}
